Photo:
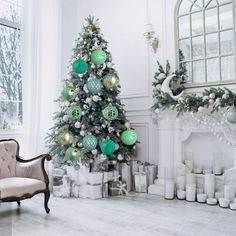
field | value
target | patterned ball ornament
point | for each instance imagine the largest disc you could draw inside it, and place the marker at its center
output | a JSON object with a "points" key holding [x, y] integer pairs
{"points": [[72, 154], [94, 86], [69, 93], [129, 137], [90, 142], [98, 57], [110, 112], [80, 66], [111, 82], [74, 112], [108, 147], [65, 137], [231, 115]]}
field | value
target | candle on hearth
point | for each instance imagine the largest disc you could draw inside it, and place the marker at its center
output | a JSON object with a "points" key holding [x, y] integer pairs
{"points": [[224, 202], [190, 178], [181, 194], [201, 197], [191, 192], [229, 192], [181, 182], [169, 189], [209, 185]]}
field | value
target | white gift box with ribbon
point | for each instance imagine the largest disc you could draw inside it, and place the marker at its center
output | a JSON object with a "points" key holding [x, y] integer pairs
{"points": [[140, 179]]}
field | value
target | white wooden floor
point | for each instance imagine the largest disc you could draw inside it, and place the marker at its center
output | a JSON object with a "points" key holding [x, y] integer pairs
{"points": [[143, 215]]}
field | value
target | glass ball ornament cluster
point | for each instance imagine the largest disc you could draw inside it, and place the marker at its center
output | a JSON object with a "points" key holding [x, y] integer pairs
{"points": [[80, 66], [74, 112], [129, 137], [110, 112], [98, 56], [69, 93], [72, 154], [94, 86], [89, 142], [111, 81]]}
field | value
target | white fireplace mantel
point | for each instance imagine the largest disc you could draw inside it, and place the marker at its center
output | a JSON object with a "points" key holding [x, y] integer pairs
{"points": [[176, 136]]}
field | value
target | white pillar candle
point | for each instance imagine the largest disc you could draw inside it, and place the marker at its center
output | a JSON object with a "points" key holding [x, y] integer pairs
{"points": [[232, 206], [181, 182], [219, 195], [201, 197], [190, 179], [224, 202], [191, 192], [169, 189], [189, 164], [229, 192], [217, 170], [181, 194], [209, 185]]}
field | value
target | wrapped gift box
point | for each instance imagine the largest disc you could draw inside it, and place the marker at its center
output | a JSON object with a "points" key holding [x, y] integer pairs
{"points": [[93, 191], [140, 179], [125, 173], [114, 188], [57, 187], [151, 171]]}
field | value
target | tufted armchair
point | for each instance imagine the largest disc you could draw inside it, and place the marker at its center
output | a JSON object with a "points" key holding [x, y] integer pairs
{"points": [[21, 179]]}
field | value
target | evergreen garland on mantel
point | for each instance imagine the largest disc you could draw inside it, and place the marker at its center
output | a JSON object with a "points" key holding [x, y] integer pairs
{"points": [[213, 98]]}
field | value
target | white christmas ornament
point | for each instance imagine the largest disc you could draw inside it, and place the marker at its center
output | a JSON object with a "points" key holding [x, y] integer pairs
{"points": [[85, 89], [77, 124], [212, 95], [109, 64], [127, 125], [225, 96], [165, 88], [95, 152], [200, 109], [82, 133], [205, 98], [157, 110], [65, 118], [161, 76], [96, 98], [120, 157], [88, 100], [110, 129], [211, 101], [66, 103]]}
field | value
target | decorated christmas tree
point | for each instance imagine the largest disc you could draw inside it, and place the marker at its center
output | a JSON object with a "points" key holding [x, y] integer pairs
{"points": [[91, 127]]}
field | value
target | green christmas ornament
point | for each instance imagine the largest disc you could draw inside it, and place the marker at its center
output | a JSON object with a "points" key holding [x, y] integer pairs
{"points": [[90, 142], [98, 57], [129, 137], [72, 154], [108, 147], [65, 137], [94, 86], [74, 112], [110, 112], [69, 93], [111, 81], [80, 66]]}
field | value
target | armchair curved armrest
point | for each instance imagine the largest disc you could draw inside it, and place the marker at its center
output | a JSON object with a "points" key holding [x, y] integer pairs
{"points": [[33, 168]]}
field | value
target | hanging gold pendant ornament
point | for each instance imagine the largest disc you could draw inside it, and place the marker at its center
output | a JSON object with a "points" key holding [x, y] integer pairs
{"points": [[110, 112]]}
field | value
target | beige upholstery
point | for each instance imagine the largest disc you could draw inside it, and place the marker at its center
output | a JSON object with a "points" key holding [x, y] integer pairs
{"points": [[18, 186], [8, 151]]}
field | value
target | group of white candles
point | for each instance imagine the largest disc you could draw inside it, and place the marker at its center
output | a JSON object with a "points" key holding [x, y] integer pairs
{"points": [[187, 189]]}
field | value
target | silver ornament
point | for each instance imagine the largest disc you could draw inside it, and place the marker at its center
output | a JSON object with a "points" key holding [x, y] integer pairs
{"points": [[95, 152], [231, 115], [120, 157], [65, 118], [212, 95], [77, 124], [225, 96]]}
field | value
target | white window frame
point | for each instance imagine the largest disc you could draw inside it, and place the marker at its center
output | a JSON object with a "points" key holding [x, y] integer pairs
{"points": [[219, 56], [18, 131]]}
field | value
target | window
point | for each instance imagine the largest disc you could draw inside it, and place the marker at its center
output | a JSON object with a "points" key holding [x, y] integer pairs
{"points": [[11, 114], [205, 41]]}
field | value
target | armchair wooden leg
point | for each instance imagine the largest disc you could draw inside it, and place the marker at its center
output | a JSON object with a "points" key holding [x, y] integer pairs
{"points": [[18, 203], [46, 198]]}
